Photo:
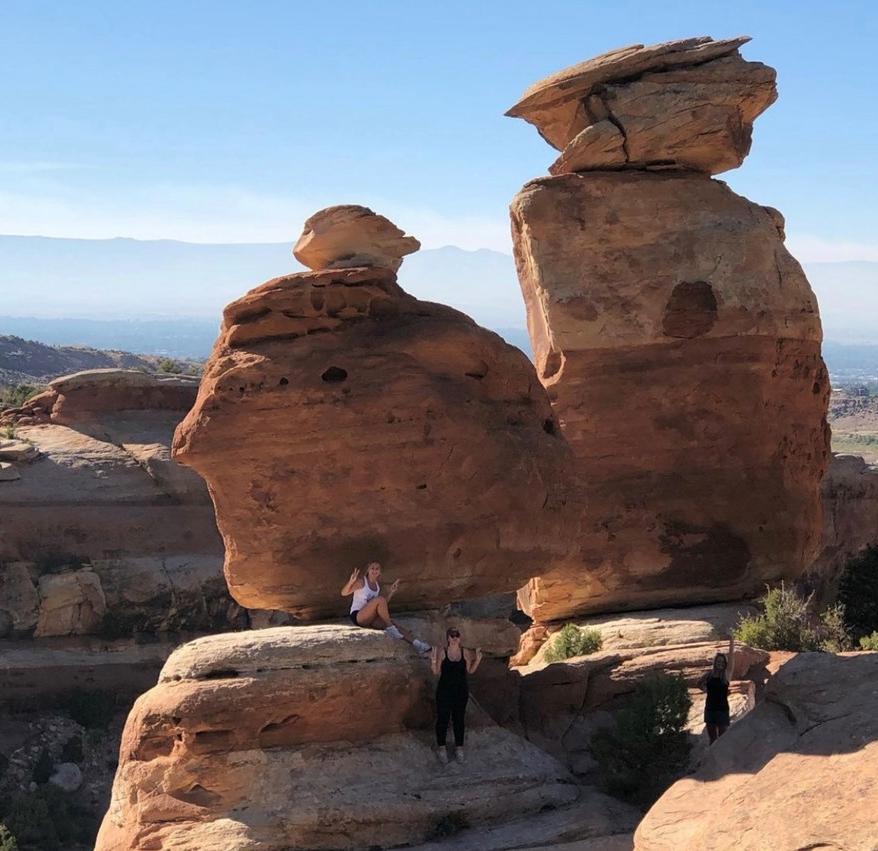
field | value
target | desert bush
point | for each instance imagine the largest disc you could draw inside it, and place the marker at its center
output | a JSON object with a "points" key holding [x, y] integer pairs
{"points": [[573, 641], [869, 642], [170, 366], [787, 622], [858, 592], [7, 840], [647, 748], [47, 820], [7, 431], [15, 395], [92, 709]]}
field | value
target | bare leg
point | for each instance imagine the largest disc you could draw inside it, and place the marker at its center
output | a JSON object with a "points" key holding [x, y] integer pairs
{"points": [[376, 615]]}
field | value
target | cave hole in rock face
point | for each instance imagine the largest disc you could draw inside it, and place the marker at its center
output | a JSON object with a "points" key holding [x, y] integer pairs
{"points": [[691, 310], [334, 375], [549, 426]]}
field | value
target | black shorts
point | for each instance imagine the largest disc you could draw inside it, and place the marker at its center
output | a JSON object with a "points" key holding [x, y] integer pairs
{"points": [[354, 617], [717, 717]]}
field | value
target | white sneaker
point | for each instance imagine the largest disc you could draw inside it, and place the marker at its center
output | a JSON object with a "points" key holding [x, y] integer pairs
{"points": [[442, 755], [458, 754], [421, 646], [393, 632]]}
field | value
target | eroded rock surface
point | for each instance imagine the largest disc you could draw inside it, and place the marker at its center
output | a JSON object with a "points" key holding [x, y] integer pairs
{"points": [[680, 345], [682, 104], [341, 420], [800, 771], [305, 737]]}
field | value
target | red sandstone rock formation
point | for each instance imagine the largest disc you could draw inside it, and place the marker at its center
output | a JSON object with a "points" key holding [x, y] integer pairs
{"points": [[680, 345], [801, 771], [303, 738], [341, 420]]}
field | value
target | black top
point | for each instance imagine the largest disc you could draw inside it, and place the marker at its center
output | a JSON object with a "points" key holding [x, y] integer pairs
{"points": [[453, 674], [717, 694]]}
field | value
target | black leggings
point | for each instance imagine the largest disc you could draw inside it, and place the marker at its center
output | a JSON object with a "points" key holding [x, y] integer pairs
{"points": [[450, 704]]}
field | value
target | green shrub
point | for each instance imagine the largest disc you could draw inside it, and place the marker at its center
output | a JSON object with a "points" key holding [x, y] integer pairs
{"points": [[647, 749], [7, 840], [834, 637], [15, 395], [573, 641], [8, 431], [170, 366], [47, 820], [869, 642], [785, 623], [858, 592], [92, 709], [788, 623]]}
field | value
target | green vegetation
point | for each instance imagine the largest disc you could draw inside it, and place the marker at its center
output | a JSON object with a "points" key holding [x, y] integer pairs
{"points": [[648, 748], [573, 641], [7, 840], [15, 395], [787, 622], [170, 366], [8, 431], [869, 642], [858, 592], [92, 709], [46, 819]]}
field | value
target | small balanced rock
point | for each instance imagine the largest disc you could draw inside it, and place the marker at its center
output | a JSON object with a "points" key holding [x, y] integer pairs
{"points": [[350, 236]]}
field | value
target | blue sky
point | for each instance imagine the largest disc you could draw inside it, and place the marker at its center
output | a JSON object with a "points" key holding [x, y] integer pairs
{"points": [[220, 121]]}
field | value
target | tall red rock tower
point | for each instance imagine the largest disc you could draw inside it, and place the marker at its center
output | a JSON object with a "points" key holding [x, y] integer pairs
{"points": [[678, 338]]}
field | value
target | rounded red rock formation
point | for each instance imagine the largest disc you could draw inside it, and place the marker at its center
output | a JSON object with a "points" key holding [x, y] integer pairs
{"points": [[341, 420]]}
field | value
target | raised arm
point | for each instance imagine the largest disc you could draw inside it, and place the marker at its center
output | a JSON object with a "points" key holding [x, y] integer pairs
{"points": [[730, 665], [473, 659], [352, 583], [436, 660]]}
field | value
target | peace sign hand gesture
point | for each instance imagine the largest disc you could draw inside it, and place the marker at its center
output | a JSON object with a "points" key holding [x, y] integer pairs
{"points": [[354, 576]]}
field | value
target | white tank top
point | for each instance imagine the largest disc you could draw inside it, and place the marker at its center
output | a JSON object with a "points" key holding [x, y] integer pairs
{"points": [[363, 595]]}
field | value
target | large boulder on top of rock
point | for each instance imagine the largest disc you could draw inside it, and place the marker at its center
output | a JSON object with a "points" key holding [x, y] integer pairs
{"points": [[341, 421], [800, 771], [348, 236], [680, 345], [306, 738], [682, 104]]}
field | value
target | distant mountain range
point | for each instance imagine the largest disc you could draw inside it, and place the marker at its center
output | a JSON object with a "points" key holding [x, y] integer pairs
{"points": [[165, 297]]}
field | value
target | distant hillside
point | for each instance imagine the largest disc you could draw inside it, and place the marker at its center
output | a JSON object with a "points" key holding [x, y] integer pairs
{"points": [[29, 362]]}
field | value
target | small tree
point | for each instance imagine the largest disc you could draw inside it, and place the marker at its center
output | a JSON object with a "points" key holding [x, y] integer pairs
{"points": [[785, 623], [7, 840], [858, 592], [573, 641], [648, 748], [869, 642]]}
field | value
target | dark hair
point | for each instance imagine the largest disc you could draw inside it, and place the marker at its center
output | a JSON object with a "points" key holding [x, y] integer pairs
{"points": [[452, 632], [720, 656]]}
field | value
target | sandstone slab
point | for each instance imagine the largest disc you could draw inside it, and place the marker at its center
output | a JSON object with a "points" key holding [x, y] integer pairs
{"points": [[305, 737], [680, 345], [341, 421], [800, 771], [71, 603]]}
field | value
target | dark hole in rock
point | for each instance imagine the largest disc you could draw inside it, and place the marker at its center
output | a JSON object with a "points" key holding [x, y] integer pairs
{"points": [[220, 674], [816, 388], [284, 381], [317, 300], [213, 737], [549, 426], [422, 487], [691, 310], [334, 375]]}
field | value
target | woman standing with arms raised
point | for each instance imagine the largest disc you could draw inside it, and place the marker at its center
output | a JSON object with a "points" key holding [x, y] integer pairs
{"points": [[452, 664]]}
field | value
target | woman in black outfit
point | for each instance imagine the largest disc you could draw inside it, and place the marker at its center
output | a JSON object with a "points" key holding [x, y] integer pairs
{"points": [[452, 665], [716, 684]]}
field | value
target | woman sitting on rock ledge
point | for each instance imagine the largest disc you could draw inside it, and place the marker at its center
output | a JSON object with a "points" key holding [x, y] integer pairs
{"points": [[716, 684], [371, 610]]}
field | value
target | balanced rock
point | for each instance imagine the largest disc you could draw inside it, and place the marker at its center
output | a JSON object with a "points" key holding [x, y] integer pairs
{"points": [[306, 737], [680, 345], [348, 236], [682, 104], [341, 421], [800, 771]]}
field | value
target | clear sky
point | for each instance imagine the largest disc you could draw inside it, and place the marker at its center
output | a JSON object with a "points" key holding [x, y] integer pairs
{"points": [[232, 121]]}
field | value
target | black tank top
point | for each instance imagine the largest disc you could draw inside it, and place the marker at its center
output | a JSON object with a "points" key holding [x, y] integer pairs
{"points": [[453, 674], [717, 694]]}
